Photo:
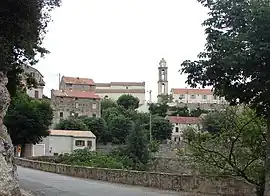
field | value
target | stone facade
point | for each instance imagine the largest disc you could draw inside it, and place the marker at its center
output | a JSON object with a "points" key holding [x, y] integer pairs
{"points": [[71, 103], [37, 92], [190, 185], [77, 84]]}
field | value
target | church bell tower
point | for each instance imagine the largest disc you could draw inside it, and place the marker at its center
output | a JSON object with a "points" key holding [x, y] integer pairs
{"points": [[162, 79]]}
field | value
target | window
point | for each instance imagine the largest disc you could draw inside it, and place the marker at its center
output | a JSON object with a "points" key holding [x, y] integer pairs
{"points": [[204, 96], [126, 87], [76, 114], [61, 114], [176, 129], [79, 143], [182, 97], [36, 95], [76, 105], [89, 144], [32, 74], [106, 97], [94, 106], [94, 115], [176, 124], [193, 96]]}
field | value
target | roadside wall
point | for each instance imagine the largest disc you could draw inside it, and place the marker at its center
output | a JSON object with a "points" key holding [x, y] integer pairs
{"points": [[192, 185]]}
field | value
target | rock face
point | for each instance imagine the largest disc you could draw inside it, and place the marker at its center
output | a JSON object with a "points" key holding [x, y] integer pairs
{"points": [[9, 185]]}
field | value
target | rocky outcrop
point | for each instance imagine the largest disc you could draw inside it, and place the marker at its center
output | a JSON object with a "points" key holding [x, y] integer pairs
{"points": [[9, 185]]}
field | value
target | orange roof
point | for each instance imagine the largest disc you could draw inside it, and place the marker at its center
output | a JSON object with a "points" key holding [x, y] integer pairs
{"points": [[192, 91], [76, 94], [77, 80], [184, 120]]}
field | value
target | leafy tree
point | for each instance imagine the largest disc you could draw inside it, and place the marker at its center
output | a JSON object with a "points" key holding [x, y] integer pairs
{"points": [[128, 101], [72, 124], [98, 127], [236, 57], [119, 127], [28, 120], [159, 109], [161, 128], [237, 150], [107, 103], [198, 112], [180, 111], [109, 113], [137, 147]]}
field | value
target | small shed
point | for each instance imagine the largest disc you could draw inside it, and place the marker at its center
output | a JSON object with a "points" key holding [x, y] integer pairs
{"points": [[64, 141]]}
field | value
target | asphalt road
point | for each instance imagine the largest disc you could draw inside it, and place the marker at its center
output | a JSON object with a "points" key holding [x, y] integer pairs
{"points": [[49, 184]]}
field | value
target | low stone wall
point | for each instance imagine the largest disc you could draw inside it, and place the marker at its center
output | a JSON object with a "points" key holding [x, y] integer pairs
{"points": [[194, 185]]}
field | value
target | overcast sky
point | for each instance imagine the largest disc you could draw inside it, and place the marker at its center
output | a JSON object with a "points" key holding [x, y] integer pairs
{"points": [[122, 40]]}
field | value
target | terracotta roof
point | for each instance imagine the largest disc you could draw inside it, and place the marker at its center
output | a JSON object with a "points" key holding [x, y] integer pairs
{"points": [[184, 120], [76, 94], [77, 80], [192, 91], [123, 91], [72, 133], [120, 84]]}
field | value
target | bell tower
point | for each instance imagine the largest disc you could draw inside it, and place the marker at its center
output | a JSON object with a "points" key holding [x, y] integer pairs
{"points": [[162, 79]]}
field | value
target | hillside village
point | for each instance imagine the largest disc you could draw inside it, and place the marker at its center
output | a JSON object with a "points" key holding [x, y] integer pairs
{"points": [[82, 97]]}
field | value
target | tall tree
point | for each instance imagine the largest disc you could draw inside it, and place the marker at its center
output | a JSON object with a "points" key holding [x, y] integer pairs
{"points": [[28, 120], [22, 30], [128, 101], [236, 148], [107, 103], [159, 109], [236, 59], [161, 128]]}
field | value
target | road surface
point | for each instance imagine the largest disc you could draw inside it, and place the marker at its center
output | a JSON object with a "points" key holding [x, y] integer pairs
{"points": [[49, 184]]}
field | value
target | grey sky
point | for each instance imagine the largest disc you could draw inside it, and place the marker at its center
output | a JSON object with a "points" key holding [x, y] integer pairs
{"points": [[122, 40]]}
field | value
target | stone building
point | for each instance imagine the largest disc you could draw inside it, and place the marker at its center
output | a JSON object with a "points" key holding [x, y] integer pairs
{"points": [[77, 84], [37, 92], [70, 103], [114, 90]]}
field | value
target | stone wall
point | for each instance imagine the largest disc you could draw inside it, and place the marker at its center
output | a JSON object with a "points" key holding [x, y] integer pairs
{"points": [[192, 185]]}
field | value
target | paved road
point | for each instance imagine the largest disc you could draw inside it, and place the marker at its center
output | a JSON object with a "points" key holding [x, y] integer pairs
{"points": [[49, 184]]}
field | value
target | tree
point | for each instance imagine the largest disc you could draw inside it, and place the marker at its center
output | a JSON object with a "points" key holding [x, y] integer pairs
{"points": [[98, 127], [22, 30], [119, 127], [137, 147], [159, 109], [180, 111], [107, 103], [28, 120], [128, 101], [236, 149], [236, 57], [161, 128], [72, 124]]}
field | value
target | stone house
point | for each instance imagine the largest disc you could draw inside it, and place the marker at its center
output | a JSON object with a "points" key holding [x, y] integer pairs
{"points": [[36, 93], [77, 84], [61, 142], [71, 103], [180, 124], [114, 90]]}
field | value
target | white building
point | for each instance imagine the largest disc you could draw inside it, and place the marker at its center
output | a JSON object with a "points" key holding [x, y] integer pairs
{"points": [[180, 124], [36, 93], [64, 141], [114, 90], [201, 96]]}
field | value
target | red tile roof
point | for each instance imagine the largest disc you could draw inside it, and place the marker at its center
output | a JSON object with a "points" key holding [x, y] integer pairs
{"points": [[192, 91], [77, 80], [184, 120], [76, 94]]}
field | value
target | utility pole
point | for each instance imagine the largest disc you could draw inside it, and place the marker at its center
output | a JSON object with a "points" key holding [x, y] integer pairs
{"points": [[150, 120], [59, 79]]}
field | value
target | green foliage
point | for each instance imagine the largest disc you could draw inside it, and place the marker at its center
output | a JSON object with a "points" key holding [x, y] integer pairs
{"points": [[98, 127], [119, 127], [154, 146], [237, 148], [161, 128], [159, 109], [72, 124], [128, 101], [22, 30], [236, 57], [28, 120], [92, 159], [107, 103], [137, 147]]}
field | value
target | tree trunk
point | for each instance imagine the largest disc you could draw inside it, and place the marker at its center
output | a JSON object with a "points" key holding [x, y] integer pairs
{"points": [[267, 164], [9, 185]]}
